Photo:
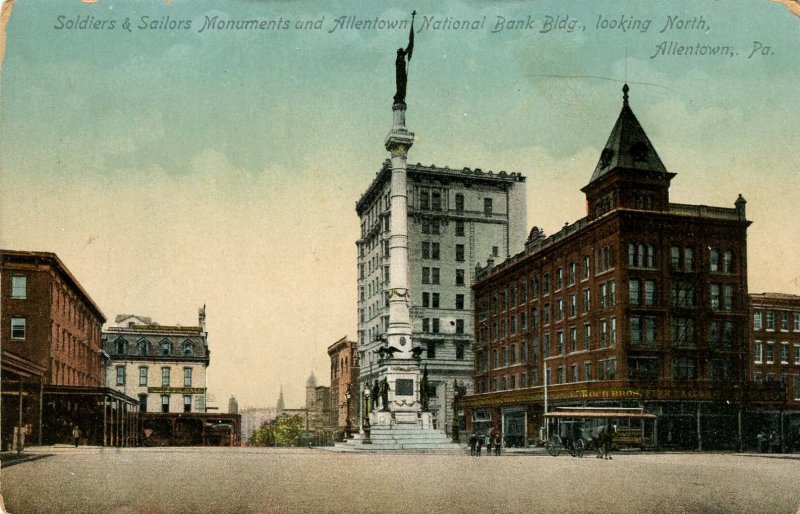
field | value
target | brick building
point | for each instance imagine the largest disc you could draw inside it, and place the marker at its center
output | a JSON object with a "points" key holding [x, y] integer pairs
{"points": [[775, 362], [642, 303], [52, 356], [344, 383]]}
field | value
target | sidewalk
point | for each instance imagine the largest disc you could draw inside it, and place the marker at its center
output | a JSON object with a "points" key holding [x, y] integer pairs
{"points": [[9, 459]]}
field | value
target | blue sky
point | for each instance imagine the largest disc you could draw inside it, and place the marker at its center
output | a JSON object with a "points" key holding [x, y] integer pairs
{"points": [[172, 168]]}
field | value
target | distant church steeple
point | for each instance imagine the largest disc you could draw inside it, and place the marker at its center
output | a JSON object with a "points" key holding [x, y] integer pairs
{"points": [[281, 403], [630, 173]]}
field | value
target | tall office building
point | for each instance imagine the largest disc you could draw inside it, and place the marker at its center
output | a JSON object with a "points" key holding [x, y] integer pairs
{"points": [[456, 220]]}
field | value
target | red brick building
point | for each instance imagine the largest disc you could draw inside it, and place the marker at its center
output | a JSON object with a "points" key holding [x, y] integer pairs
{"points": [[642, 303], [775, 362], [52, 326], [344, 382]]}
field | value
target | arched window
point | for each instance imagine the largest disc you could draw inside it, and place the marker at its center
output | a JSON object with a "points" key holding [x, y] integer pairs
{"points": [[121, 346], [165, 348], [187, 349], [143, 347]]}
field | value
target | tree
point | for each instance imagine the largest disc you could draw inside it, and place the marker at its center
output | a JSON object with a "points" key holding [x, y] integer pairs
{"points": [[282, 431]]}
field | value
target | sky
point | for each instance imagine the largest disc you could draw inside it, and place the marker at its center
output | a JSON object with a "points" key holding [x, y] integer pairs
{"points": [[171, 167]]}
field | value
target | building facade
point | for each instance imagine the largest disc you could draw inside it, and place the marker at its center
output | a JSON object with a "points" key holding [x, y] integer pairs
{"points": [[164, 368], [344, 383], [775, 362], [642, 303], [456, 218], [52, 356]]}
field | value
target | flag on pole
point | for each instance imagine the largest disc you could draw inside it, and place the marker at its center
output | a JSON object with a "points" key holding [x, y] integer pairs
{"points": [[410, 49]]}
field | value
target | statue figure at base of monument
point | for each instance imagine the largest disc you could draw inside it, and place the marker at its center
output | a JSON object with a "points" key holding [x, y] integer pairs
{"points": [[384, 394], [374, 394]]}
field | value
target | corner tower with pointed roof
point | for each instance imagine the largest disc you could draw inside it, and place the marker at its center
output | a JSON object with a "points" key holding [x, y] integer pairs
{"points": [[629, 173]]}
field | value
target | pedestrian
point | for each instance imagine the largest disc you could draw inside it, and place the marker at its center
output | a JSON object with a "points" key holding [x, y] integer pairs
{"points": [[608, 440], [473, 442], [479, 444], [498, 441], [76, 434], [761, 438]]}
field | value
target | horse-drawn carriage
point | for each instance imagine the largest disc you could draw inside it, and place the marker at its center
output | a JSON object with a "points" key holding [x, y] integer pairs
{"points": [[580, 429]]}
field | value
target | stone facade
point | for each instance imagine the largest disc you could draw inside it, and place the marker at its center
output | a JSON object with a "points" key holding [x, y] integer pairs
{"points": [[456, 219], [164, 367]]}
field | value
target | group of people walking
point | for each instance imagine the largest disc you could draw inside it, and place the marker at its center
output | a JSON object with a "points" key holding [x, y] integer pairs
{"points": [[477, 441]]}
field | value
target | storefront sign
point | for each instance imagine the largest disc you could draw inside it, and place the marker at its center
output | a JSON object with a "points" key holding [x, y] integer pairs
{"points": [[176, 390]]}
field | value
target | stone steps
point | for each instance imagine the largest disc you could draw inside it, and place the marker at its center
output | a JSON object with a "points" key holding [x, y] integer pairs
{"points": [[396, 438]]}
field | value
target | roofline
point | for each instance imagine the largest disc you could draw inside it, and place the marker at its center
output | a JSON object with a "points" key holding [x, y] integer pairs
{"points": [[60, 266], [464, 174]]}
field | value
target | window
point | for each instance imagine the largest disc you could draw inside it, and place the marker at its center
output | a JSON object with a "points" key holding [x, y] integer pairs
{"points": [[713, 260], [684, 368], [650, 293], [165, 377], [784, 321], [573, 339], [586, 270], [720, 335], [142, 403], [435, 300], [573, 305], [633, 292], [784, 353], [770, 357], [459, 228], [18, 328], [19, 287], [459, 326], [642, 368], [682, 293], [187, 377], [797, 321], [188, 349], [587, 300], [434, 275], [727, 262], [603, 333], [460, 253], [487, 205], [436, 201], [459, 277], [459, 301], [120, 375], [143, 376], [770, 320], [683, 332], [431, 349], [797, 354], [587, 336], [141, 349], [757, 320], [187, 403], [546, 284], [641, 255], [426, 299], [495, 251], [426, 250], [571, 273], [435, 325], [435, 251], [424, 200], [459, 202], [535, 288], [559, 278], [559, 309], [757, 352], [426, 275], [164, 403], [460, 351], [165, 347], [796, 380]]}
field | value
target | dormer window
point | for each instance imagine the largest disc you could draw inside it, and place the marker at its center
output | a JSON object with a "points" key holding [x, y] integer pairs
{"points": [[639, 151], [142, 348], [165, 348], [188, 349], [120, 346], [605, 157]]}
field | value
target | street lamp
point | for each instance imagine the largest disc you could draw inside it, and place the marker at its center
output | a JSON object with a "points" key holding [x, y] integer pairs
{"points": [[365, 416], [347, 415]]}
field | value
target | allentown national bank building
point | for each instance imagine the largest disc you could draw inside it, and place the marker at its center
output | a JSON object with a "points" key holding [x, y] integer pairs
{"points": [[642, 303]]}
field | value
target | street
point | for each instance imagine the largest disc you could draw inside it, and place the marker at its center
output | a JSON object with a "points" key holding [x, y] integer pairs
{"points": [[240, 480]]}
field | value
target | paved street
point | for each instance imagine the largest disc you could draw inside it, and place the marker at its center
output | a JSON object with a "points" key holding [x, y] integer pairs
{"points": [[220, 480]]}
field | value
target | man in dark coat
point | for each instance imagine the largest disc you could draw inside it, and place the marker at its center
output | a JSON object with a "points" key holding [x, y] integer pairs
{"points": [[473, 442]]}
